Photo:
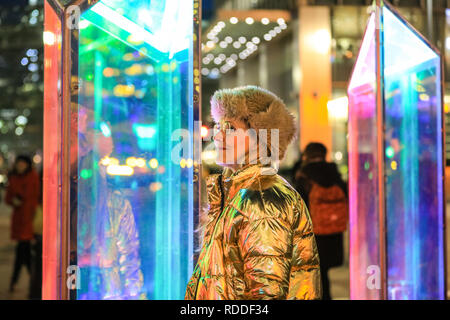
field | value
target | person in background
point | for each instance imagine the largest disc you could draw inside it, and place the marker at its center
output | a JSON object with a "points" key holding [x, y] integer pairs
{"points": [[23, 195], [325, 193]]}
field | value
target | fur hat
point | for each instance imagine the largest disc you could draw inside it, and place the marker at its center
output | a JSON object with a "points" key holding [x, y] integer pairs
{"points": [[260, 108]]}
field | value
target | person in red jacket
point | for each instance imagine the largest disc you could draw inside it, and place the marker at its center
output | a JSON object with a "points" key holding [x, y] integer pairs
{"points": [[23, 195]]}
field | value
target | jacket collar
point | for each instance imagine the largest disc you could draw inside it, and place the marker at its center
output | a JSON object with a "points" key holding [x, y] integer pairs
{"points": [[246, 172]]}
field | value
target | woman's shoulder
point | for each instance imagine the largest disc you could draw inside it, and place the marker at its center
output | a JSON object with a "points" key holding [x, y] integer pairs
{"points": [[271, 183], [272, 195]]}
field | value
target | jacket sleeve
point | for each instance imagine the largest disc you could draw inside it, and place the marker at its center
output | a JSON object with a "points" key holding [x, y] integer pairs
{"points": [[215, 199], [265, 241], [305, 280], [127, 241], [214, 205]]}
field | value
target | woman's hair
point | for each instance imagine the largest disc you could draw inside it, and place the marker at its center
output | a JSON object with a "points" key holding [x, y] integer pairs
{"points": [[23, 158], [260, 109]]}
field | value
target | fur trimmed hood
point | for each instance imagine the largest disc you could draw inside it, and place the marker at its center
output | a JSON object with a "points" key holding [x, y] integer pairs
{"points": [[260, 108]]}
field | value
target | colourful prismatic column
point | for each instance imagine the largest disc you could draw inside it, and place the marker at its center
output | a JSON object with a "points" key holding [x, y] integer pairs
{"points": [[397, 208], [122, 95]]}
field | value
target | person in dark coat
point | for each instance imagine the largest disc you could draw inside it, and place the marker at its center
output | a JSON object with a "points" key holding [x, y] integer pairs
{"points": [[23, 195], [325, 193]]}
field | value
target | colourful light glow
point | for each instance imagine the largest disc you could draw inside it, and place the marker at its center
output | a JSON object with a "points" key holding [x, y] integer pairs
{"points": [[51, 252], [49, 38], [413, 272], [126, 24], [394, 165], [410, 69], [137, 91], [135, 69], [83, 24], [37, 158], [106, 161], [338, 108], [364, 71], [105, 129], [204, 131], [131, 161], [110, 72], [135, 39], [140, 162], [363, 155], [86, 174], [390, 152], [424, 97], [409, 51], [155, 186], [124, 90], [153, 163], [144, 131], [117, 170], [320, 41], [165, 39]]}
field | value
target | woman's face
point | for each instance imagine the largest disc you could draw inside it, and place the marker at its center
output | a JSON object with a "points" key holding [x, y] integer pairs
{"points": [[232, 142], [21, 166]]}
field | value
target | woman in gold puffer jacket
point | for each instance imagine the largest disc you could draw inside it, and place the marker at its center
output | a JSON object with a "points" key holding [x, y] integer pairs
{"points": [[258, 241]]}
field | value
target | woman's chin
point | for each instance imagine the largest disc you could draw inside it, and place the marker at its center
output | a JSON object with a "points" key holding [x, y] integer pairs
{"points": [[221, 163]]}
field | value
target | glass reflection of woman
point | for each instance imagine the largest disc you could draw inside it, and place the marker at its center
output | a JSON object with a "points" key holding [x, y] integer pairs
{"points": [[106, 236]]}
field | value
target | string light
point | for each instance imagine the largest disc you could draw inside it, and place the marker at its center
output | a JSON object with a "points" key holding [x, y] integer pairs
{"points": [[256, 40], [205, 71]]}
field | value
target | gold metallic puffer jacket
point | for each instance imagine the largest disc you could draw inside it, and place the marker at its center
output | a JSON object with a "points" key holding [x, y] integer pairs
{"points": [[258, 241]]}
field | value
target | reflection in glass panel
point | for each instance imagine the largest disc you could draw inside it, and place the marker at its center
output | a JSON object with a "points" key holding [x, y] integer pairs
{"points": [[413, 189], [413, 141], [131, 210], [363, 168]]}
